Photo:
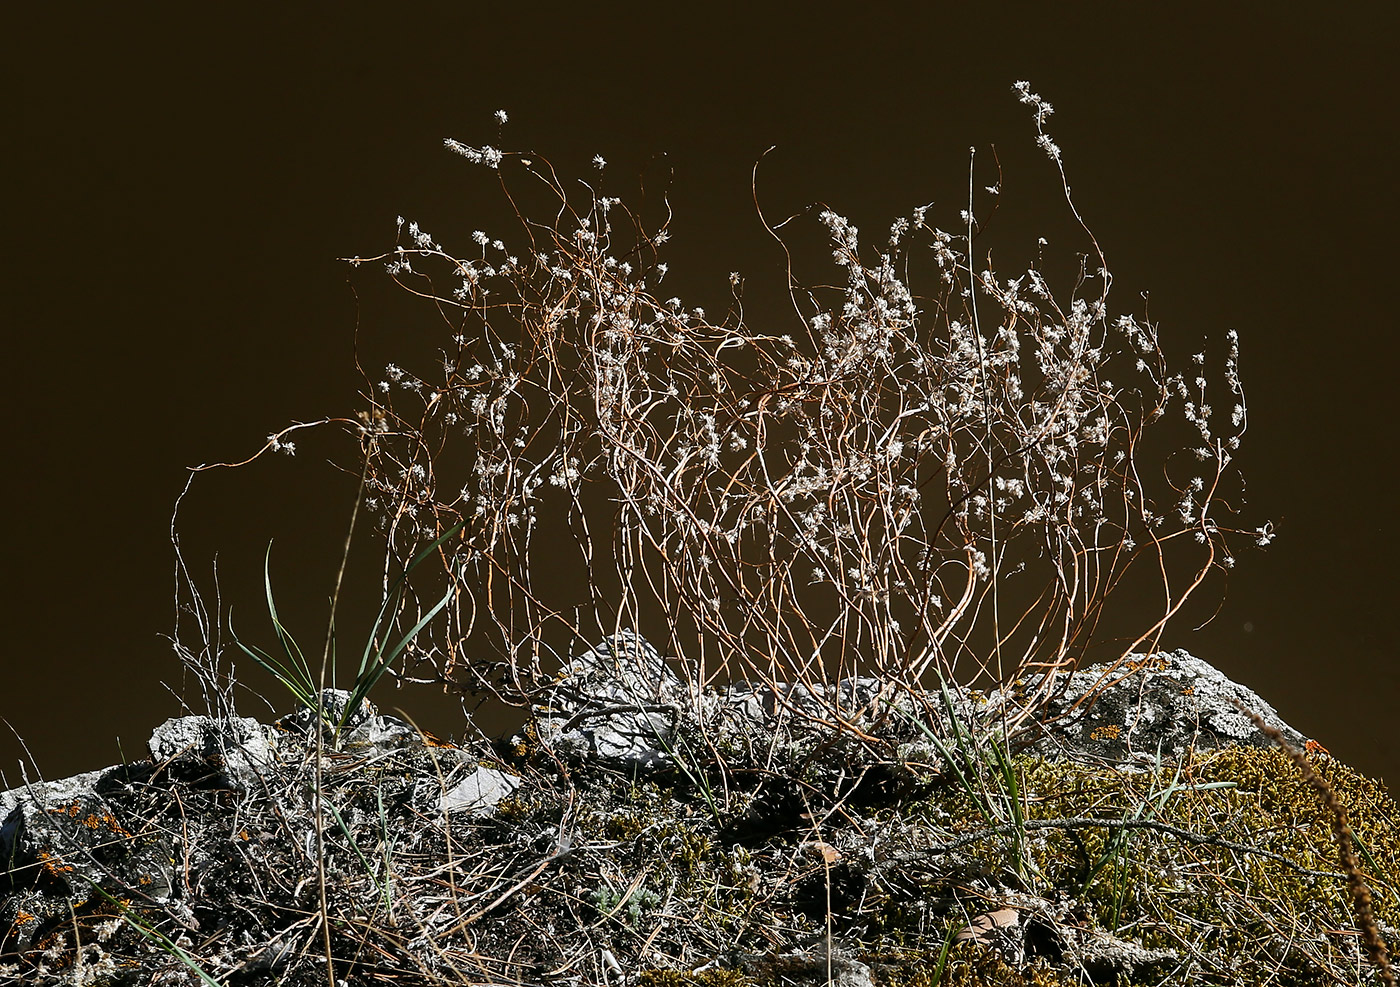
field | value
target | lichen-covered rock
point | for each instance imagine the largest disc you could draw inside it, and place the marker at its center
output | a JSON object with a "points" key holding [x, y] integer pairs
{"points": [[239, 750], [173, 842], [62, 841], [621, 706], [617, 704], [1142, 710]]}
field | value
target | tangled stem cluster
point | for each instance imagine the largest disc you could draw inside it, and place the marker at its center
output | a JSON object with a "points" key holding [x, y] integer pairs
{"points": [[925, 468]]}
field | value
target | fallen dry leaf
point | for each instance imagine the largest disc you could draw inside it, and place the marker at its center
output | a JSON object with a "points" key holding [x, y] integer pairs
{"points": [[984, 926]]}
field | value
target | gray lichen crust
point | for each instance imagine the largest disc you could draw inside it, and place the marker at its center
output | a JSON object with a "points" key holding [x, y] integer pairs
{"points": [[1146, 708]]}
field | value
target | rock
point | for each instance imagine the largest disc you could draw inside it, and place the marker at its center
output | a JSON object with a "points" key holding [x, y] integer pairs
{"points": [[1161, 705], [1028, 926], [45, 792], [814, 968], [63, 840], [617, 704], [479, 793], [72, 847], [620, 707], [238, 750]]}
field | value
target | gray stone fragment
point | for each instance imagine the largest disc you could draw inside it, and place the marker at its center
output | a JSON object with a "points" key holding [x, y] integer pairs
{"points": [[1027, 925], [618, 703], [479, 793], [811, 968], [239, 750]]}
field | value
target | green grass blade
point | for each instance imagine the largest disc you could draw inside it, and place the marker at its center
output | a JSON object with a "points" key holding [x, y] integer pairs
{"points": [[372, 675], [303, 690], [372, 645], [289, 644]]}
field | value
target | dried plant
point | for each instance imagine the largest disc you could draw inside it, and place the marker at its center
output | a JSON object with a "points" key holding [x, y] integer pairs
{"points": [[904, 482]]}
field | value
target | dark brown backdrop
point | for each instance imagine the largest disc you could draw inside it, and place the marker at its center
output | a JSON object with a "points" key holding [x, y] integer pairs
{"points": [[181, 184]]}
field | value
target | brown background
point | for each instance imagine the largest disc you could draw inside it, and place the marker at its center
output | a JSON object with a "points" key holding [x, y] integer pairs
{"points": [[181, 184]]}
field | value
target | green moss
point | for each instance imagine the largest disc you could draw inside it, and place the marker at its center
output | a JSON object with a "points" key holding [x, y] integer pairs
{"points": [[1164, 891], [708, 978], [526, 804], [975, 966]]}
